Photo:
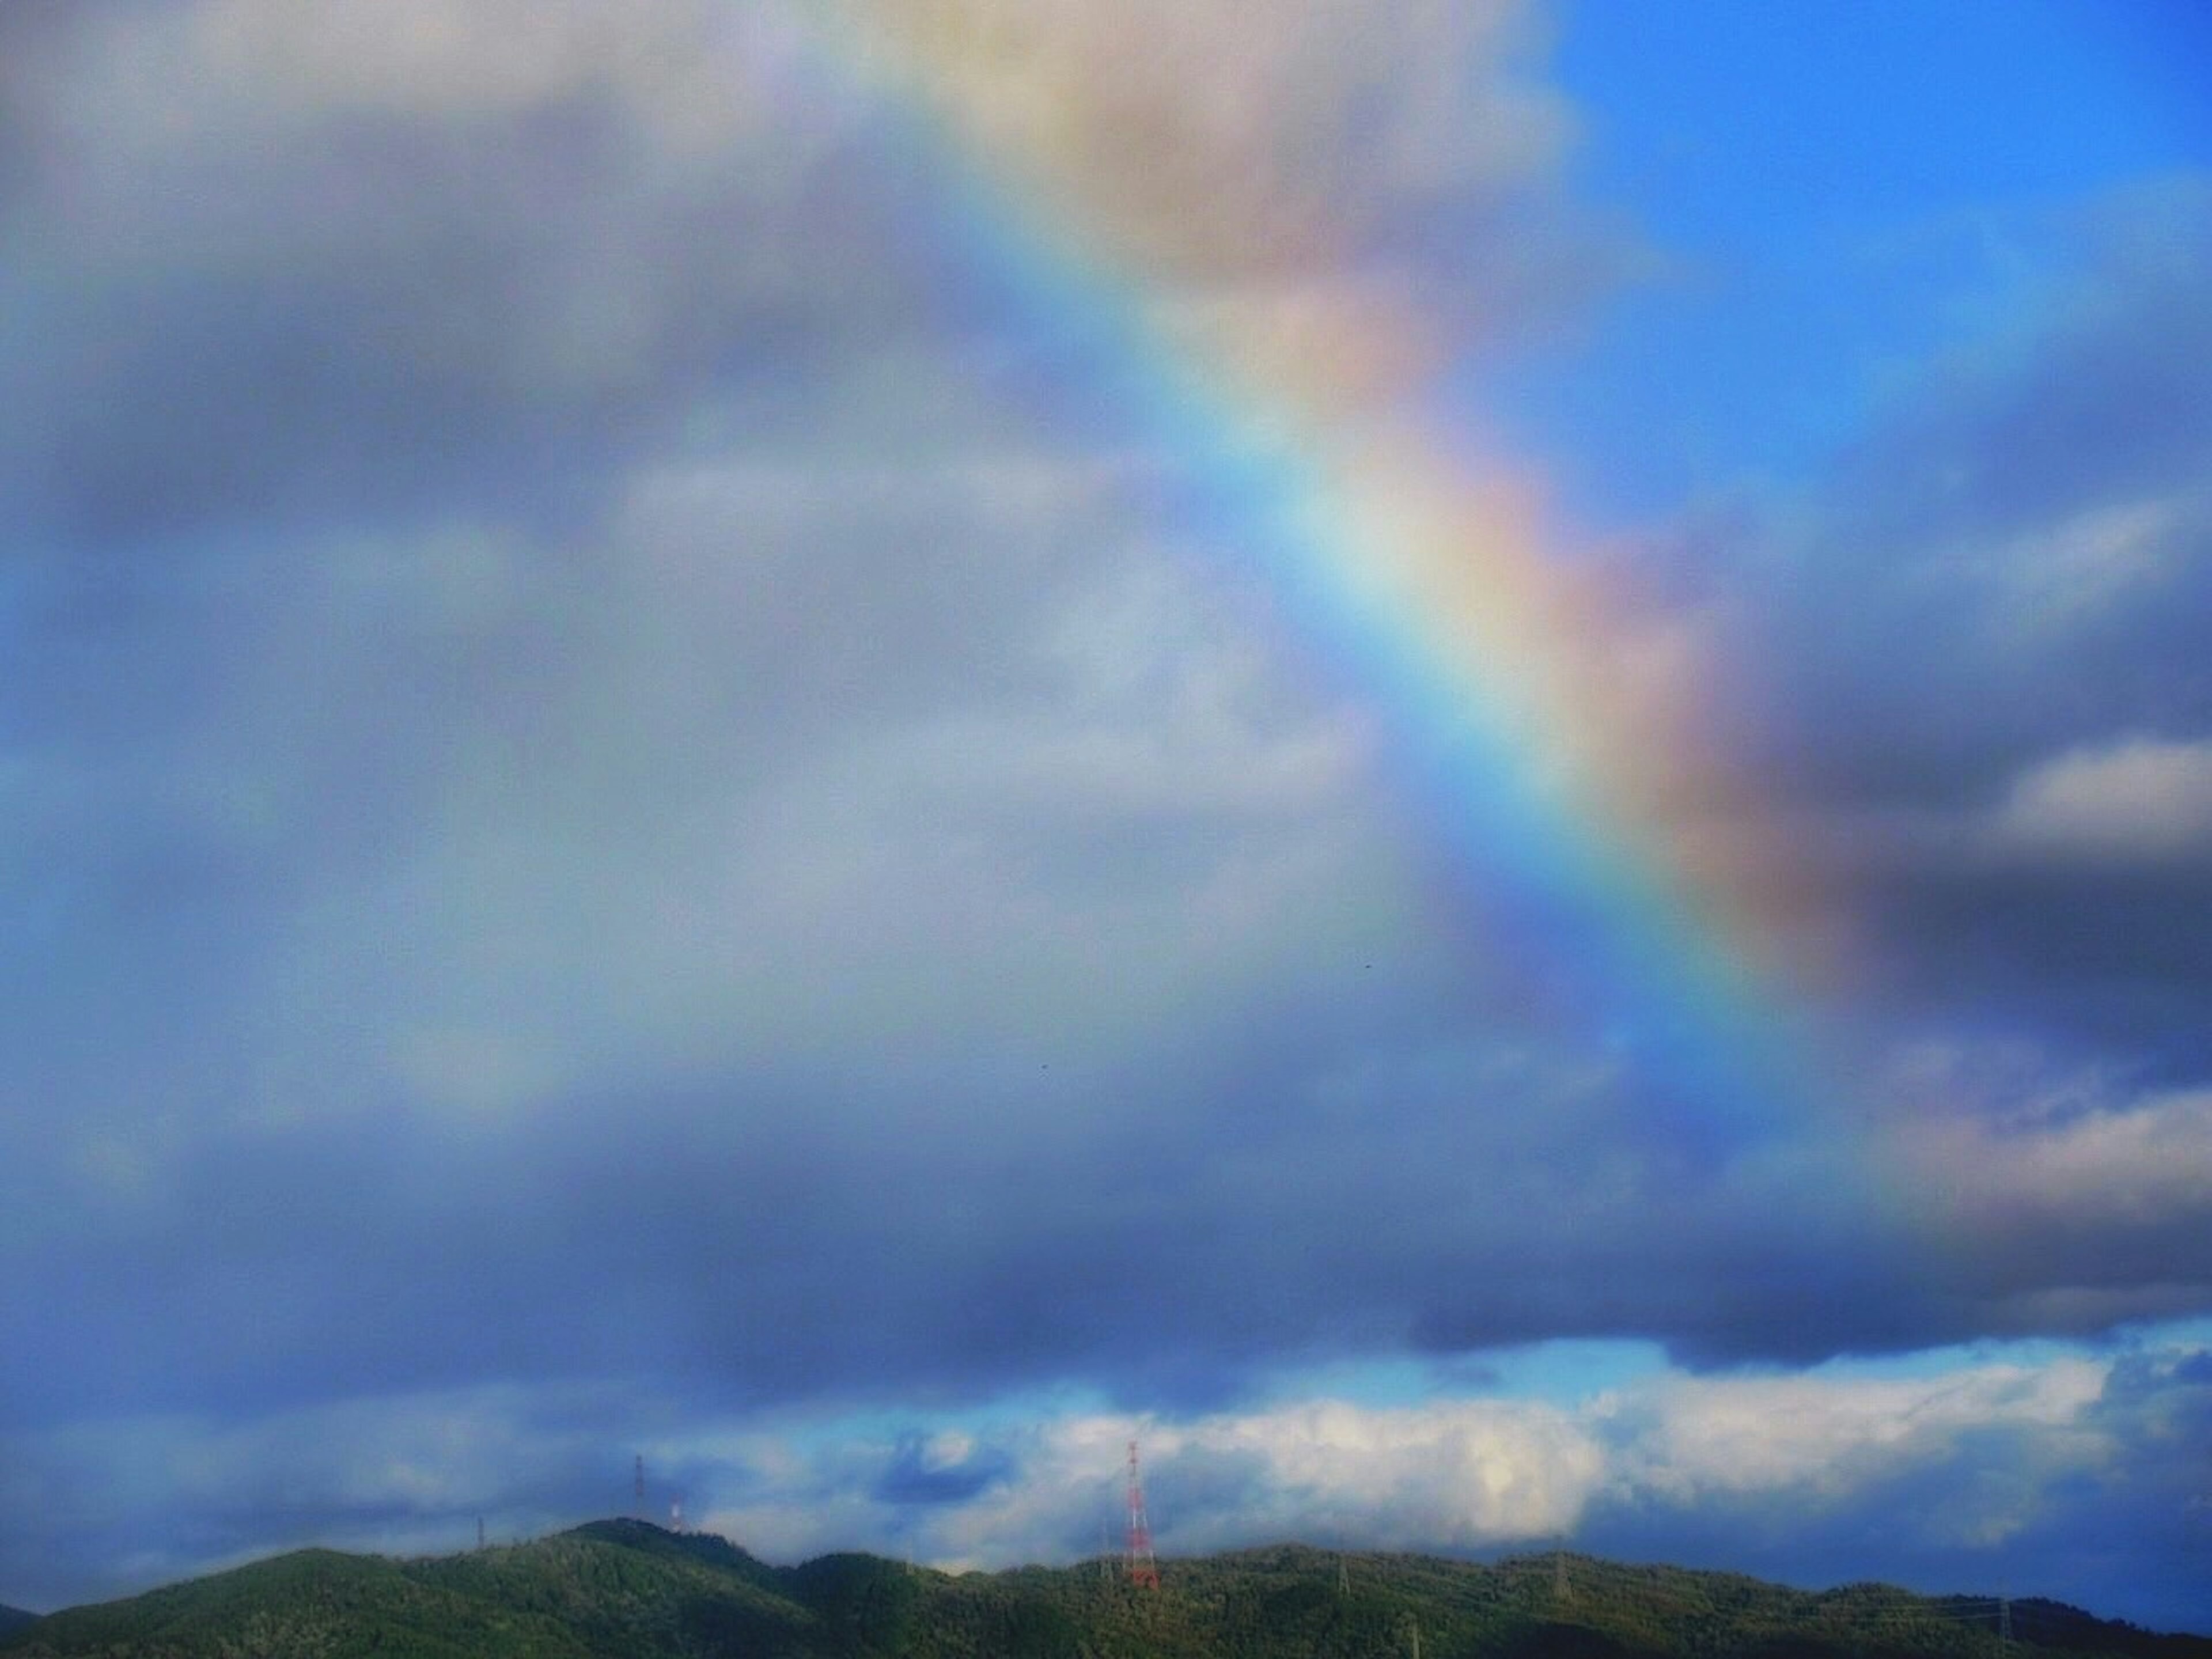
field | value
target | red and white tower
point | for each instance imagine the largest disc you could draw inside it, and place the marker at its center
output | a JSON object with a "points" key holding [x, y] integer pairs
{"points": [[1144, 1572]]}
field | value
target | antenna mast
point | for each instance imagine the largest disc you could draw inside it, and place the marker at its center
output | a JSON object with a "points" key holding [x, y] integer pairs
{"points": [[638, 1487], [1143, 1570]]}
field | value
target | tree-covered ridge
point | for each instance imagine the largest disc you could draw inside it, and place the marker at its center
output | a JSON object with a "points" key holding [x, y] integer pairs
{"points": [[627, 1589], [14, 1619]]}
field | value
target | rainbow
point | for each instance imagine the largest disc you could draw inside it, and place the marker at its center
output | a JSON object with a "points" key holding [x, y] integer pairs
{"points": [[1551, 728]]}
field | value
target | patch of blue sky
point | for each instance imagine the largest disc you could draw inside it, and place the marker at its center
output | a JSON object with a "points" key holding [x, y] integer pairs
{"points": [[2172, 1335], [811, 1428], [1762, 129], [1571, 1371], [2027, 1353], [1565, 1372], [1811, 242]]}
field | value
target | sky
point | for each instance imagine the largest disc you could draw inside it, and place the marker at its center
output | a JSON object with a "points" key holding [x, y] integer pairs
{"points": [[1456, 756]]}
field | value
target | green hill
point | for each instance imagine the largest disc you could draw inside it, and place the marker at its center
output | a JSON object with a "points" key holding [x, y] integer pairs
{"points": [[626, 1589], [14, 1619]]}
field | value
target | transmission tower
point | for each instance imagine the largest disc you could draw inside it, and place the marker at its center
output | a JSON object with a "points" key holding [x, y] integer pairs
{"points": [[1143, 1570], [637, 1487]]}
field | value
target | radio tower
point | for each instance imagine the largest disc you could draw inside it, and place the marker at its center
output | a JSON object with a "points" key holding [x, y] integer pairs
{"points": [[638, 1487], [1144, 1572]]}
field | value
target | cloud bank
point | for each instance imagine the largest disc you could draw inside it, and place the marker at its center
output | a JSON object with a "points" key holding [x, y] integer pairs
{"points": [[641, 807]]}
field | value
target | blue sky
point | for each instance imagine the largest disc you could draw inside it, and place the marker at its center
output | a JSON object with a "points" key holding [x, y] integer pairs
{"points": [[1838, 193], [1461, 760]]}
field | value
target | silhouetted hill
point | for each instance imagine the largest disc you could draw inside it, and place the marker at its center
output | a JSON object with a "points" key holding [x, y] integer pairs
{"points": [[14, 1619], [628, 1590]]}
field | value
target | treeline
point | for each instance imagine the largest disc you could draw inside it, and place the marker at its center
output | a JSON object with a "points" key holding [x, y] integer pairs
{"points": [[624, 1589]]}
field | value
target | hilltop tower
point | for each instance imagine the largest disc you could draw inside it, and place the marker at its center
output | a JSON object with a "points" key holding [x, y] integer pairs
{"points": [[1143, 1570]]}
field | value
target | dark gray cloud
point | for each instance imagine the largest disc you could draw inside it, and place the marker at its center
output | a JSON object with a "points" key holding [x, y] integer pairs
{"points": [[2095, 405], [247, 308], [2018, 541], [2010, 575]]}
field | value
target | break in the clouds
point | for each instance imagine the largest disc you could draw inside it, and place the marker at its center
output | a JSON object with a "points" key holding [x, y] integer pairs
{"points": [[843, 739]]}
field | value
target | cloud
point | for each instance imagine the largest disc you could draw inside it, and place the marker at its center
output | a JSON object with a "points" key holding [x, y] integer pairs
{"points": [[2009, 564], [1440, 1475], [160, 1497], [570, 236], [1981, 1477], [1822, 1438], [2140, 798], [462, 846], [367, 266], [580, 724], [2065, 578], [1307, 139], [2142, 1163], [428, 58], [1968, 662]]}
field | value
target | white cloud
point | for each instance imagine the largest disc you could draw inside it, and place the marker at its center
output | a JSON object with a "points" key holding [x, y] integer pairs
{"points": [[2144, 1162], [1461, 1473], [1824, 1436], [1473, 1473], [2129, 801], [2140, 798]]}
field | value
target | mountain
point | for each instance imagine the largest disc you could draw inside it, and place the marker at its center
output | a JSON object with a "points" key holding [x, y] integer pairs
{"points": [[626, 1589], [14, 1619]]}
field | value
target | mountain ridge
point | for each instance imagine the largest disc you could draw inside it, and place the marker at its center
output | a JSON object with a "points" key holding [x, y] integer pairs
{"points": [[628, 1588]]}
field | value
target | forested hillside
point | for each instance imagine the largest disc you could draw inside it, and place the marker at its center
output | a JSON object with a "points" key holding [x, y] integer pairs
{"points": [[622, 1589]]}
